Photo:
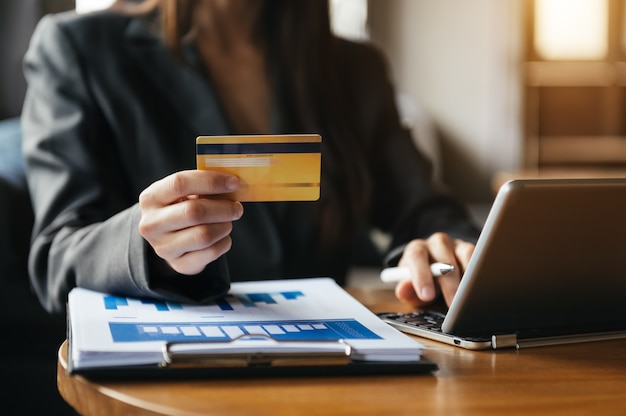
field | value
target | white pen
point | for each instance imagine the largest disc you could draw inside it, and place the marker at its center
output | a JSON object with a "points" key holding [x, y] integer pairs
{"points": [[395, 274]]}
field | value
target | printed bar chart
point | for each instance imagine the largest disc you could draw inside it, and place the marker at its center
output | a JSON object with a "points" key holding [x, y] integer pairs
{"points": [[289, 330], [322, 330]]}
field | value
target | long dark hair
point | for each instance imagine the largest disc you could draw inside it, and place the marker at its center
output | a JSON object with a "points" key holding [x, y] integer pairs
{"points": [[316, 97]]}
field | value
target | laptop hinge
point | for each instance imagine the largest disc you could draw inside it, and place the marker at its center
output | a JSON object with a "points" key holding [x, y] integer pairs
{"points": [[504, 341]]}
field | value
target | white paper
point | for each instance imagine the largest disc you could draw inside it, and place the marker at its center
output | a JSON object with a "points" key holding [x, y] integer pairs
{"points": [[108, 330]]}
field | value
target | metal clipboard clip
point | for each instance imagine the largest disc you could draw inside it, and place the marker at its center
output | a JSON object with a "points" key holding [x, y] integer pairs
{"points": [[254, 351]]}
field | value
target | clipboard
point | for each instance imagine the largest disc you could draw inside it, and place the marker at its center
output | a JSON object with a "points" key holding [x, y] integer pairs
{"points": [[296, 327], [182, 360]]}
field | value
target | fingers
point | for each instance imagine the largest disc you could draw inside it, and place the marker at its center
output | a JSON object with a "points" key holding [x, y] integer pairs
{"points": [[185, 230], [180, 185], [423, 288], [201, 237], [193, 262], [420, 288], [464, 251], [188, 213]]}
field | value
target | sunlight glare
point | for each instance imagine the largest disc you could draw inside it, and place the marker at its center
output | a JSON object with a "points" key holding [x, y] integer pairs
{"points": [[85, 6], [571, 29]]}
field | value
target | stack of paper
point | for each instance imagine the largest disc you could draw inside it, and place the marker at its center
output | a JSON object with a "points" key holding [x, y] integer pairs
{"points": [[289, 316]]}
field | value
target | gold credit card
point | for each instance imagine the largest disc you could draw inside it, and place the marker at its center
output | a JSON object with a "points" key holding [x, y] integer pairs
{"points": [[271, 167]]}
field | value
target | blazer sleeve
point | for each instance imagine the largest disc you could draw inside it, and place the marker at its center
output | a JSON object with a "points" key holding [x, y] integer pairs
{"points": [[406, 202], [85, 232]]}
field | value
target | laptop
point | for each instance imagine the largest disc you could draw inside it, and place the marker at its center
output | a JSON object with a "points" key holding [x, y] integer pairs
{"points": [[549, 268]]}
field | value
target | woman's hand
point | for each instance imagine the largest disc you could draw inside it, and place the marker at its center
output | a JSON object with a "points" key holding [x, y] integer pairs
{"points": [[422, 288], [184, 225]]}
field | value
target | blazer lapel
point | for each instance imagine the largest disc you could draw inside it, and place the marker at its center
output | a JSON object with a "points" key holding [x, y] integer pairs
{"points": [[183, 85]]}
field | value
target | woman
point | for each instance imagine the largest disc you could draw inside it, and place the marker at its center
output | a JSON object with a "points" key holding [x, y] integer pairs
{"points": [[115, 101]]}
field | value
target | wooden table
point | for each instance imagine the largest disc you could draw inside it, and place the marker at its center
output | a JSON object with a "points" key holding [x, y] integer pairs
{"points": [[580, 379]]}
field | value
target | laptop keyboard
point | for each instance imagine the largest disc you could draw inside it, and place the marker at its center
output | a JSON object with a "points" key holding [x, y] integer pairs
{"points": [[430, 320]]}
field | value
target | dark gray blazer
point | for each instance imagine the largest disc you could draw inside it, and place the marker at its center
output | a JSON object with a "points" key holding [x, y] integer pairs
{"points": [[109, 111]]}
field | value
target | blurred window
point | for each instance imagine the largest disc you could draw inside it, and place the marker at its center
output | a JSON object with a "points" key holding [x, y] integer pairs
{"points": [[84, 6], [349, 18], [571, 29], [575, 85]]}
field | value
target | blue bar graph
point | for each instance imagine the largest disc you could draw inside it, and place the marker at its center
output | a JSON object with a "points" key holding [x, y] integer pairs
{"points": [[318, 330]]}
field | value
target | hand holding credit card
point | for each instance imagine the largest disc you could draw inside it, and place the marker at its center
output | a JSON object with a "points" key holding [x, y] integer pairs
{"points": [[270, 167]]}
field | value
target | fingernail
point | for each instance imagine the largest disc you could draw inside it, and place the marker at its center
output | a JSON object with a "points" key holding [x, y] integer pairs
{"points": [[427, 293], [239, 211], [232, 183]]}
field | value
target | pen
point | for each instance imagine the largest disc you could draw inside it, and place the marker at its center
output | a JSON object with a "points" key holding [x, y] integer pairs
{"points": [[395, 274]]}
